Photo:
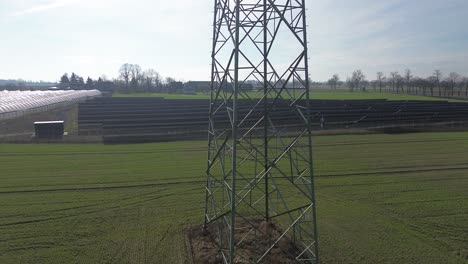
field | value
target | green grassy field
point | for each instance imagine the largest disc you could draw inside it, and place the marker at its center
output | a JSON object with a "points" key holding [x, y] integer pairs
{"points": [[381, 199], [314, 95]]}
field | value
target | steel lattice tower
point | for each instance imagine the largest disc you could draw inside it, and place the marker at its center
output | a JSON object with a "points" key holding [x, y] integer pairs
{"points": [[260, 148]]}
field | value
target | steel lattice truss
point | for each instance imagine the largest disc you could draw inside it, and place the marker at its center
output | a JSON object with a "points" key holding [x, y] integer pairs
{"points": [[260, 165]]}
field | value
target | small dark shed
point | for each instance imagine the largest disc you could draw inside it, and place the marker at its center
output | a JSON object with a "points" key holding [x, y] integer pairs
{"points": [[49, 129]]}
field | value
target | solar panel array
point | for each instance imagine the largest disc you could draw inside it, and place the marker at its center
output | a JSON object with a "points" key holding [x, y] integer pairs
{"points": [[17, 103], [157, 119]]}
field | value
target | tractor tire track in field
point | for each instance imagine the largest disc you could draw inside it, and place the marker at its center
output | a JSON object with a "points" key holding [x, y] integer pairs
{"points": [[7, 240], [434, 166], [358, 173], [385, 142], [84, 206], [439, 215], [462, 168], [56, 218], [34, 247], [99, 210], [105, 188], [70, 184], [388, 183], [66, 153], [423, 201], [50, 211]]}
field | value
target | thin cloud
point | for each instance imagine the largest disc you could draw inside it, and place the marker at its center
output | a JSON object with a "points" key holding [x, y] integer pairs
{"points": [[344, 35], [44, 7]]}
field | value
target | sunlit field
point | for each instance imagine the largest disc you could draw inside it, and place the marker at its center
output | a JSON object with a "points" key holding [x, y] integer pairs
{"points": [[381, 199]]}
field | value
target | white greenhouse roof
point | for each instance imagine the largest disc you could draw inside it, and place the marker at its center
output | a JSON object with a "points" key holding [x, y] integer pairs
{"points": [[48, 122], [13, 101]]}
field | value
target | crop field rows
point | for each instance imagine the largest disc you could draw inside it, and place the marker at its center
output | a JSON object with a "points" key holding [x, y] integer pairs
{"points": [[381, 199]]}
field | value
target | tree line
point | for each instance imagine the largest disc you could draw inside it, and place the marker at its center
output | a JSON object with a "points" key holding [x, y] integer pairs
{"points": [[131, 79], [452, 85]]}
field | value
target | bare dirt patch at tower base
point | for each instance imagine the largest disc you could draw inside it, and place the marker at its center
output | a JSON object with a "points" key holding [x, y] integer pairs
{"points": [[203, 245]]}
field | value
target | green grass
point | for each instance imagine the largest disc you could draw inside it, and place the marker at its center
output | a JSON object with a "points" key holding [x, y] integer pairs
{"points": [[314, 95], [381, 199]]}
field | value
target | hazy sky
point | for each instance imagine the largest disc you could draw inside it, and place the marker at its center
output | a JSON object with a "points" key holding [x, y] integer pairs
{"points": [[42, 39]]}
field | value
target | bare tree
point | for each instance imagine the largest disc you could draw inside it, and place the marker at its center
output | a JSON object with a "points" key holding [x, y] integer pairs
{"points": [[374, 84], [330, 82], [148, 77], [169, 80], [158, 81], [136, 75], [465, 82], [152, 80], [453, 80], [427, 84], [408, 78], [400, 83], [168, 84], [125, 72], [394, 80], [437, 76], [364, 84], [333, 82], [136, 71], [432, 80], [420, 85], [356, 80], [336, 80], [380, 80]]}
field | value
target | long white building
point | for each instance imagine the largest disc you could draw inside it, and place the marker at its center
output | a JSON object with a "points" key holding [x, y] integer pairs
{"points": [[17, 103]]}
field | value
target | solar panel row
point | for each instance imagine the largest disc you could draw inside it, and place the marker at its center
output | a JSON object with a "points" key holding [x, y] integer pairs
{"points": [[153, 119]]}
